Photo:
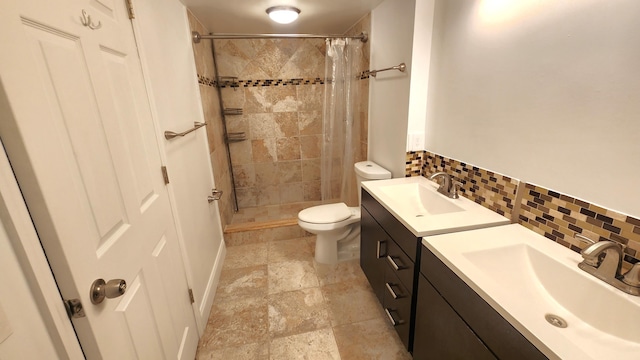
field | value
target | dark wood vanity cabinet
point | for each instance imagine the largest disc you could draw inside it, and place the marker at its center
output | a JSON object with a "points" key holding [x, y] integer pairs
{"points": [[454, 322], [434, 312], [372, 246], [388, 257], [440, 333]]}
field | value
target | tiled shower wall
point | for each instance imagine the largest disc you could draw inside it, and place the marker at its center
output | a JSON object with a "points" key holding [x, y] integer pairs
{"points": [[213, 118], [280, 160], [279, 86], [556, 216]]}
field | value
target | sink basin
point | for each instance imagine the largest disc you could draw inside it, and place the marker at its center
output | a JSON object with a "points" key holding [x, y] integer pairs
{"points": [[420, 199], [540, 276], [417, 204], [525, 276]]}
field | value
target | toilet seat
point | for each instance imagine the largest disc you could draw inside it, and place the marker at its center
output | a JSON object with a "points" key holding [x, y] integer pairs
{"points": [[325, 214], [354, 217], [337, 226]]}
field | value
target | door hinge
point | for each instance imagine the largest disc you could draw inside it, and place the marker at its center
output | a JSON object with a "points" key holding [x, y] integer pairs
{"points": [[165, 175], [130, 9], [191, 296], [74, 308]]}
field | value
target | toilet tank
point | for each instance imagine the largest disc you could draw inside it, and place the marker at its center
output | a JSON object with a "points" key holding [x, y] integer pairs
{"points": [[368, 170]]}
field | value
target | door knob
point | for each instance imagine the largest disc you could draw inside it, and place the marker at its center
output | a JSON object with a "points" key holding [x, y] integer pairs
{"points": [[111, 289]]}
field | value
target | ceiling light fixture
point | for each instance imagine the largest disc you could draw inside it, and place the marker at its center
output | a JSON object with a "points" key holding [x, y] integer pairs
{"points": [[283, 14]]}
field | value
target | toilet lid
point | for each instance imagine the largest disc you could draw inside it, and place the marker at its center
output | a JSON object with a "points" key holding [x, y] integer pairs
{"points": [[325, 214]]}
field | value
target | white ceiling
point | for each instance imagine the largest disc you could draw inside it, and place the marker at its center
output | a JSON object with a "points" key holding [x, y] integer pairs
{"points": [[249, 16]]}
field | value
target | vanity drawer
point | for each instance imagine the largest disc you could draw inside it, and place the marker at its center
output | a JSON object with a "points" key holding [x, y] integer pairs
{"points": [[397, 305], [399, 264], [407, 241]]}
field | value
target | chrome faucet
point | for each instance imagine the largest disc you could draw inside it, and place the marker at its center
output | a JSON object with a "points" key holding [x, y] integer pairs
{"points": [[605, 257], [603, 260], [447, 187]]}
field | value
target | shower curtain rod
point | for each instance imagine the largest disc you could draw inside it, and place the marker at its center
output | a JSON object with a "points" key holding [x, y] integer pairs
{"points": [[197, 37]]}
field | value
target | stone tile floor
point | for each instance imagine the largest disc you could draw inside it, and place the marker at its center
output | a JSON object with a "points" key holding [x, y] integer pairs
{"points": [[275, 302]]}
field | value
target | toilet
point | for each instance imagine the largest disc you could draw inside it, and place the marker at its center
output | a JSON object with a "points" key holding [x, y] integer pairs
{"points": [[337, 226]]}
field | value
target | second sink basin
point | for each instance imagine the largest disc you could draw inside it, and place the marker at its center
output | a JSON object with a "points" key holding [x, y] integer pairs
{"points": [[539, 275], [525, 276]]}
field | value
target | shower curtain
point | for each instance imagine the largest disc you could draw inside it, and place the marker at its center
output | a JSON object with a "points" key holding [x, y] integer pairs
{"points": [[341, 121]]}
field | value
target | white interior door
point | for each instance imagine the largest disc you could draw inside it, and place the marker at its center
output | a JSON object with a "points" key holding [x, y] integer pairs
{"points": [[167, 55], [79, 133]]}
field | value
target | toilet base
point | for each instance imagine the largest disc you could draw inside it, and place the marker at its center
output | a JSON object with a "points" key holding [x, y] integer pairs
{"points": [[330, 251]]}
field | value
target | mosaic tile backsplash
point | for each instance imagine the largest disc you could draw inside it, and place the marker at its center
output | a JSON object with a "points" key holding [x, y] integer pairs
{"points": [[413, 163], [559, 217], [554, 215], [492, 190]]}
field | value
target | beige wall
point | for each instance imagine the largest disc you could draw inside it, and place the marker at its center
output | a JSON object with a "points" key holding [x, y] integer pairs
{"points": [[213, 117], [544, 91], [391, 44]]}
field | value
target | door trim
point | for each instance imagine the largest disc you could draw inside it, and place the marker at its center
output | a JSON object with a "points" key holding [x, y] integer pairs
{"points": [[33, 262]]}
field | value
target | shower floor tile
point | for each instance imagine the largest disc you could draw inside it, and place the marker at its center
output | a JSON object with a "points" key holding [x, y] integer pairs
{"points": [[270, 212]]}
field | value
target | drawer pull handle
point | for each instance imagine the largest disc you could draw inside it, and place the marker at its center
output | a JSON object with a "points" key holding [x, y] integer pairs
{"points": [[393, 293], [393, 321], [378, 248], [395, 265]]}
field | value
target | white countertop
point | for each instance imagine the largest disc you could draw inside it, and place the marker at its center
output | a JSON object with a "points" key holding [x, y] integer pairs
{"points": [[523, 276], [421, 223]]}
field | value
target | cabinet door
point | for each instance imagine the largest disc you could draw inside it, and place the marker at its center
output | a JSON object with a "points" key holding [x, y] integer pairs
{"points": [[373, 245], [440, 333]]}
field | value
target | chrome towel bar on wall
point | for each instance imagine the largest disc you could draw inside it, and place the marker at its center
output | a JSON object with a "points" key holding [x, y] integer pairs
{"points": [[170, 134], [402, 67]]}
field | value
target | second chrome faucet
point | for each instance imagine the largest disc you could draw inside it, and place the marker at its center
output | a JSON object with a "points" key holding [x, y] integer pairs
{"points": [[603, 260]]}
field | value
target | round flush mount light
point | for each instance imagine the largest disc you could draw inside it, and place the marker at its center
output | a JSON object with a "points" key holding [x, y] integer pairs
{"points": [[283, 14]]}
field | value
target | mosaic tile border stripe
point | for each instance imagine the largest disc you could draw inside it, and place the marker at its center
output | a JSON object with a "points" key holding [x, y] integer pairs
{"points": [[202, 80], [560, 217], [270, 82], [413, 163], [494, 191]]}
